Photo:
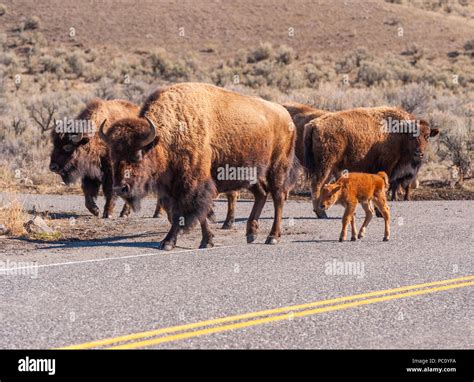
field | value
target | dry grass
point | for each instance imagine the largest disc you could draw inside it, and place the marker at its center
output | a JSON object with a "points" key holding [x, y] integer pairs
{"points": [[13, 217]]}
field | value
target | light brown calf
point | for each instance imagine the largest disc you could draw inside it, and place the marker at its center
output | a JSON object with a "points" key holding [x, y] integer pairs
{"points": [[353, 188]]}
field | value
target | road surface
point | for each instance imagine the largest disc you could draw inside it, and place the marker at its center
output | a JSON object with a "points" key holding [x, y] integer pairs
{"points": [[108, 284]]}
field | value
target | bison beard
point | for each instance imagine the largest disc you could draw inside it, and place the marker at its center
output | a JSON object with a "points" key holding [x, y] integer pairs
{"points": [[184, 134]]}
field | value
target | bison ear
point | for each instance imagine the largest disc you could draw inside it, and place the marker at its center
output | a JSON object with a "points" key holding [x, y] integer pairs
{"points": [[434, 133]]}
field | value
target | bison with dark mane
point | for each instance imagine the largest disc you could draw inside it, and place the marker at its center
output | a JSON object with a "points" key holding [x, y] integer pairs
{"points": [[361, 140], [185, 136], [82, 155]]}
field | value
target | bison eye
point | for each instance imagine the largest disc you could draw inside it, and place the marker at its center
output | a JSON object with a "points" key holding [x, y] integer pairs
{"points": [[137, 157], [68, 148]]}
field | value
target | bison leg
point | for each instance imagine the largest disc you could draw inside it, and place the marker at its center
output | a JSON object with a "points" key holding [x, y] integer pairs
{"points": [[107, 188], [369, 213], [169, 242], [407, 192], [381, 204], [348, 214], [159, 209], [275, 233], [211, 216], [393, 190], [125, 210], [231, 203], [207, 235], [252, 223], [90, 187], [353, 228]]}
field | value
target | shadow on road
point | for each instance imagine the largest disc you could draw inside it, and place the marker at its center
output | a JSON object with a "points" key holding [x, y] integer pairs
{"points": [[105, 242]]}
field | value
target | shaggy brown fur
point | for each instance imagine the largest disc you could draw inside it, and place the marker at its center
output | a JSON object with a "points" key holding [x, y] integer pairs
{"points": [[201, 129], [87, 159], [301, 114], [356, 141], [356, 188]]}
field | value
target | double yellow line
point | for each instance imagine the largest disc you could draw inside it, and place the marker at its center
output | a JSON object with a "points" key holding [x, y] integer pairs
{"points": [[196, 329]]}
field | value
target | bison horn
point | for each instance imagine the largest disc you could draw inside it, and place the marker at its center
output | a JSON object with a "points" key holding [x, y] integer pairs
{"points": [[101, 131], [151, 137]]}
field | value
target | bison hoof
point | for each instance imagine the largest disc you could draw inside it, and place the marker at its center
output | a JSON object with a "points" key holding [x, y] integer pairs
{"points": [[228, 225], [204, 244], [321, 214], [385, 238], [353, 238], [124, 214], [251, 238], [271, 240], [341, 240], [106, 215], [166, 246], [157, 215], [94, 211]]}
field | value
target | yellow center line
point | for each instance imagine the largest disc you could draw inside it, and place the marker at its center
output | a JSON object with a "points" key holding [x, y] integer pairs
{"points": [[253, 314], [222, 320], [286, 316]]}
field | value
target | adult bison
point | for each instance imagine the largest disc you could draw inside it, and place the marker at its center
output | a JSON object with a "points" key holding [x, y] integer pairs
{"points": [[194, 140], [79, 154], [300, 114], [364, 140]]}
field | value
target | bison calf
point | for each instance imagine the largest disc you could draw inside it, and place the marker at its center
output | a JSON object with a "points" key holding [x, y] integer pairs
{"points": [[355, 188]]}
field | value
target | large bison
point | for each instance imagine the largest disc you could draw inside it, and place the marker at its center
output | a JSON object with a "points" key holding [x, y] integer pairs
{"points": [[194, 140], [300, 114], [364, 140], [78, 153]]}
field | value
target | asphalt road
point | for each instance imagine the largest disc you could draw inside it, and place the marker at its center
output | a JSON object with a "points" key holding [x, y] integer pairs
{"points": [[119, 284]]}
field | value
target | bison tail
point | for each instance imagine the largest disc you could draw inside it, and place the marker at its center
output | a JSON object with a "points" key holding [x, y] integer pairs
{"points": [[384, 175], [309, 162], [294, 172]]}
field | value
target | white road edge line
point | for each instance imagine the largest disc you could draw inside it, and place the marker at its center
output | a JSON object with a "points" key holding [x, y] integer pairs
{"points": [[123, 257]]}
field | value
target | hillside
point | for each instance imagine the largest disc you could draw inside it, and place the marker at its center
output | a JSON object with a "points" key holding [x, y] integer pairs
{"points": [[323, 26]]}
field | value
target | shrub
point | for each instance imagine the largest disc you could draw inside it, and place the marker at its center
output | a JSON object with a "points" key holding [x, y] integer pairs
{"points": [[160, 62], [457, 140], [53, 64], [285, 55], [372, 73], [76, 63], [262, 52], [32, 23]]}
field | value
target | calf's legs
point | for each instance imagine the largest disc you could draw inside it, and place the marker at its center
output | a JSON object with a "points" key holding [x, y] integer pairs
{"points": [[348, 216], [369, 213], [381, 203]]}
